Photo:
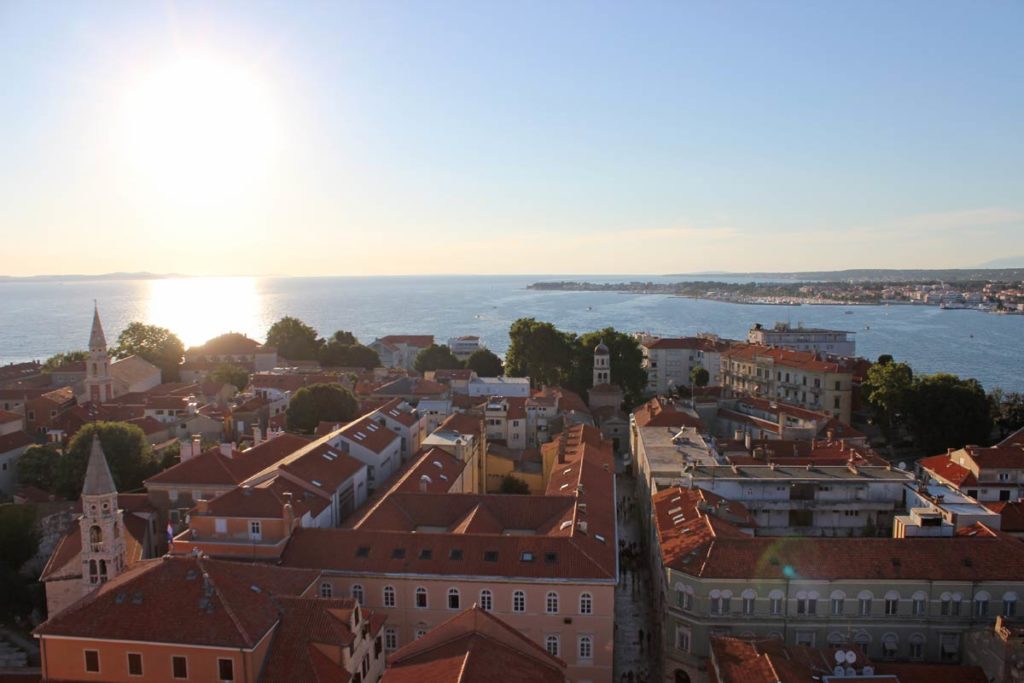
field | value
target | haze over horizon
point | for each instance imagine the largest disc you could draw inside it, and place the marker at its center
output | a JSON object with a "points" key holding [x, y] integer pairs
{"points": [[456, 138]]}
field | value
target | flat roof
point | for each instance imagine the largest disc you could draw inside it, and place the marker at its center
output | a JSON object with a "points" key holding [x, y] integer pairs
{"points": [[802, 473], [666, 453]]}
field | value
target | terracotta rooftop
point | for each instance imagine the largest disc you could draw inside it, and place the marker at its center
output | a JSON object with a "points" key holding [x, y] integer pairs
{"points": [[473, 647], [187, 600], [943, 467], [800, 360], [660, 412], [369, 434], [214, 468], [18, 439]]}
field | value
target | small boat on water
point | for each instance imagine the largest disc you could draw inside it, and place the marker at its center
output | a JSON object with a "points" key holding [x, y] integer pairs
{"points": [[848, 312]]}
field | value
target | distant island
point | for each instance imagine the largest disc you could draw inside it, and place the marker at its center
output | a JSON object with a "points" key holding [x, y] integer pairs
{"points": [[87, 278], [1001, 292]]}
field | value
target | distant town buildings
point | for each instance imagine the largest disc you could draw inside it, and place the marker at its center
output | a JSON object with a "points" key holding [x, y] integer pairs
{"points": [[800, 338]]}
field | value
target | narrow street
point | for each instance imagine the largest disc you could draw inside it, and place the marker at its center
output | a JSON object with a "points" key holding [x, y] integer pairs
{"points": [[633, 598]]}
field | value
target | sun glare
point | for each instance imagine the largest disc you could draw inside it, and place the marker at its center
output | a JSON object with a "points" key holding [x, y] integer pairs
{"points": [[198, 309], [200, 129]]}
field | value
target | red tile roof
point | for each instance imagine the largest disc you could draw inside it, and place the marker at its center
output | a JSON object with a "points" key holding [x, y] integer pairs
{"points": [[801, 360], [369, 434], [7, 416], [660, 412], [943, 467], [695, 343], [214, 468], [1012, 514], [417, 340], [306, 622], [712, 547], [473, 647], [463, 423], [18, 439], [187, 600]]}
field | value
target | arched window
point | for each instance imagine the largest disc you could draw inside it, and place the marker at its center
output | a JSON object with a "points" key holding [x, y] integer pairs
{"points": [[486, 600], [93, 577], [453, 598], [862, 639], [775, 602], [917, 642], [836, 600], [892, 603], [720, 601], [684, 597], [551, 644], [890, 645], [981, 599], [389, 596], [749, 601], [586, 647], [519, 601], [326, 590], [390, 638], [357, 592], [551, 603], [103, 570], [1009, 604], [95, 537], [421, 597], [586, 603], [919, 603], [836, 640], [864, 599]]}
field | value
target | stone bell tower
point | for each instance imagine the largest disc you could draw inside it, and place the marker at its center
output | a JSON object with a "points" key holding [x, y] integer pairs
{"points": [[102, 523]]}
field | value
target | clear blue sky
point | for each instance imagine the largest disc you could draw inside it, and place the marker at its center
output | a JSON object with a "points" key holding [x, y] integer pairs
{"points": [[531, 137]]}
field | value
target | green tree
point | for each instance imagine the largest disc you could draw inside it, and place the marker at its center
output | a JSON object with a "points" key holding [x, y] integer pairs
{"points": [[945, 411], [129, 457], [231, 374], [513, 485], [539, 351], [436, 357], [887, 389], [39, 466], [294, 339], [699, 376], [337, 354], [626, 360], [59, 359], [158, 345], [344, 337], [1007, 410], [485, 363], [19, 535], [321, 403]]}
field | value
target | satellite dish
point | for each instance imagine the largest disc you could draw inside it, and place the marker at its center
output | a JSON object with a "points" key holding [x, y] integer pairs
{"points": [[851, 656], [902, 466], [840, 656]]}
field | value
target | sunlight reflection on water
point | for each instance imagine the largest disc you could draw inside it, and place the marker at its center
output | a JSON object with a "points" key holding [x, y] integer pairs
{"points": [[198, 309]]}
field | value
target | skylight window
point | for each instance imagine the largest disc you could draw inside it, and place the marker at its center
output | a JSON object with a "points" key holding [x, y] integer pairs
{"points": [[599, 537], [426, 554], [526, 557], [363, 551], [398, 554], [455, 554], [490, 556]]}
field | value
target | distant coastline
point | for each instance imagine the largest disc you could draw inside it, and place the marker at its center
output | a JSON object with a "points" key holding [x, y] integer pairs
{"points": [[88, 278]]}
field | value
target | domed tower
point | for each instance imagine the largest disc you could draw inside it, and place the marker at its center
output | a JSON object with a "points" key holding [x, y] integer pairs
{"points": [[102, 523], [99, 384], [602, 365]]}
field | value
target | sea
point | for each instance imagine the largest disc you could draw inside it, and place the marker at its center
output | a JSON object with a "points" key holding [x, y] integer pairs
{"points": [[40, 318]]}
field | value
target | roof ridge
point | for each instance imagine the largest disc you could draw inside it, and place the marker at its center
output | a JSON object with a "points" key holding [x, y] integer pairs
{"points": [[224, 602]]}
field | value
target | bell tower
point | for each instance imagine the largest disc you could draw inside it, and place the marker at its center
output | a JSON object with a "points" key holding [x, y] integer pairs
{"points": [[102, 523], [602, 365], [99, 384]]}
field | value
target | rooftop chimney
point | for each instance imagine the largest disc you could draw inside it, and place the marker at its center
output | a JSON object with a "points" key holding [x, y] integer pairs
{"points": [[257, 436], [746, 441], [227, 449]]}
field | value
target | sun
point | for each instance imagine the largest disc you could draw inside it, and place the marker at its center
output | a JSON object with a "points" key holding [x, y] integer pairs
{"points": [[200, 129]]}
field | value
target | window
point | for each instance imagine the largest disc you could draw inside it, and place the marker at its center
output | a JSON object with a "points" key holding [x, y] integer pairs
{"points": [[255, 531], [389, 596], [806, 603], [838, 598], [326, 590], [220, 526], [892, 604], [775, 603], [551, 603], [682, 638], [453, 598], [420, 632], [1009, 604], [519, 601], [586, 603], [835, 404], [920, 604], [357, 593], [421, 597], [917, 646], [179, 667], [551, 644], [586, 647], [390, 639], [134, 664], [92, 661], [684, 597], [949, 647], [981, 604], [864, 603], [749, 598], [890, 646], [805, 638], [486, 600], [226, 669]]}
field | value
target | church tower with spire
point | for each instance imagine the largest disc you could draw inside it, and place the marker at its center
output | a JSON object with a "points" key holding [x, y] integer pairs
{"points": [[602, 365], [99, 384], [102, 523]]}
